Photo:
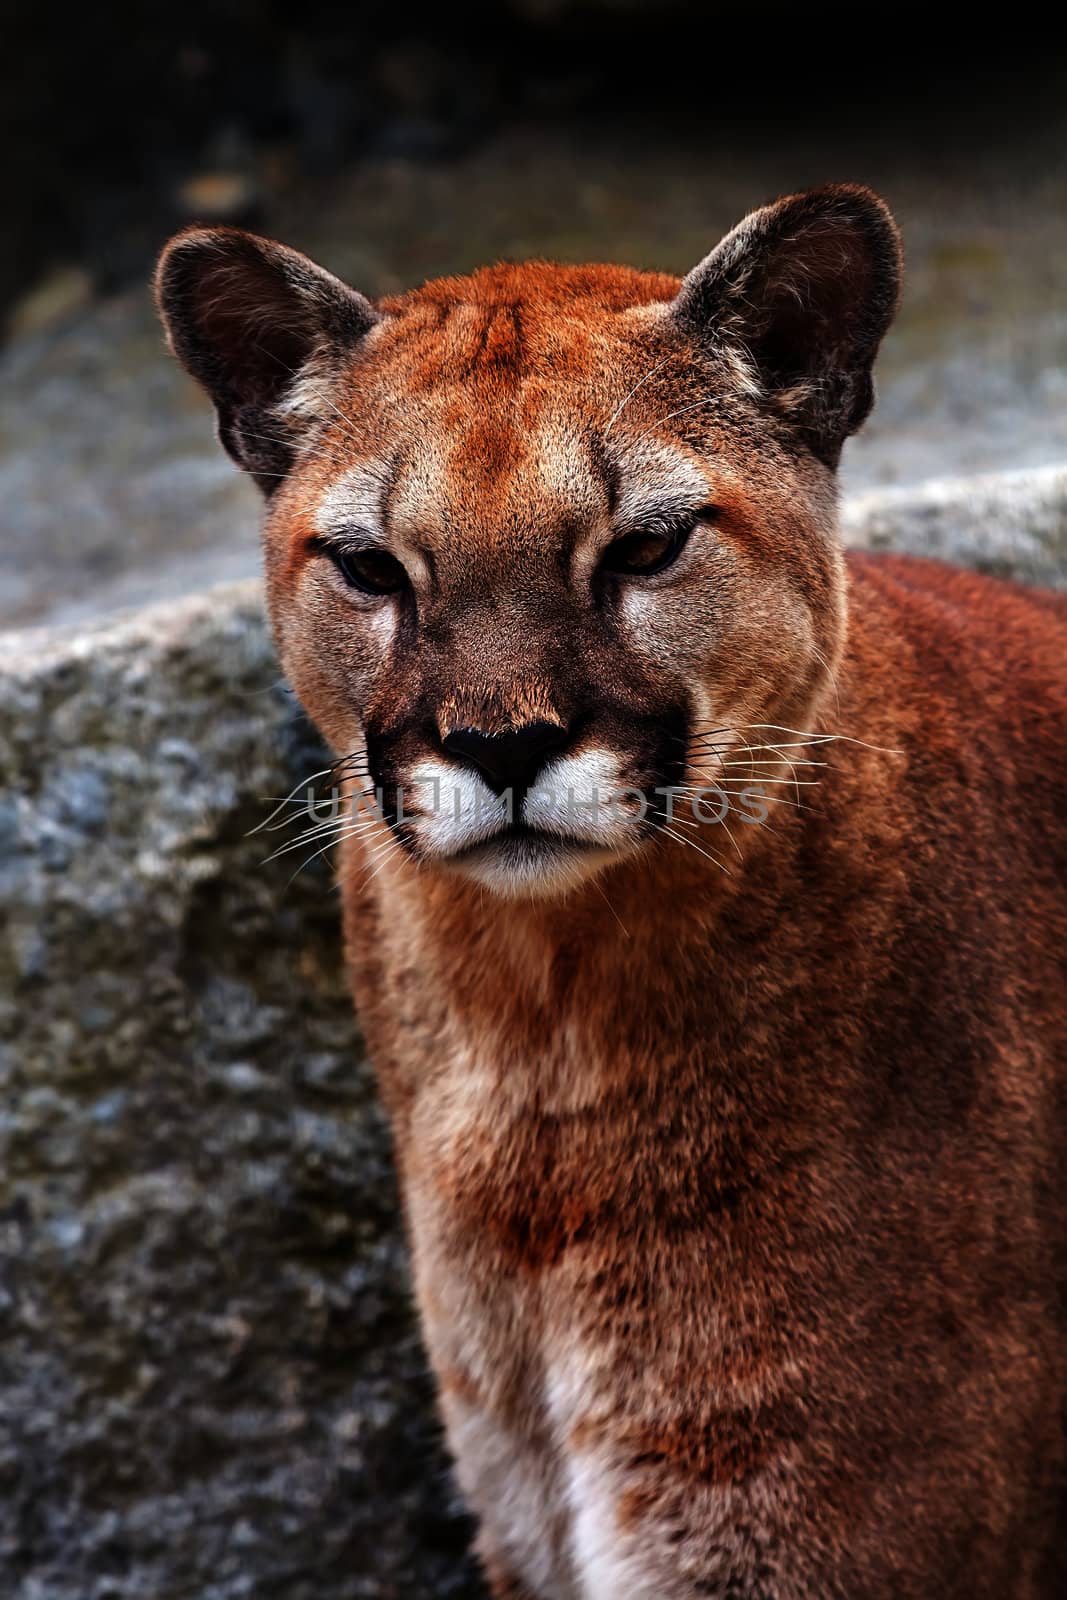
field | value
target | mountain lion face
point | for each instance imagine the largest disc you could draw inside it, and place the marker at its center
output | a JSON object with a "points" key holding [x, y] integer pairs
{"points": [[546, 544]]}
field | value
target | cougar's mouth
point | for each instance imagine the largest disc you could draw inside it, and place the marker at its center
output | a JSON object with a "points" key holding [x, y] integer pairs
{"points": [[521, 859], [523, 836]]}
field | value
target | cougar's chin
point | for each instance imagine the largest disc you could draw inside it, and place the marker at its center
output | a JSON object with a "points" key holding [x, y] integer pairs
{"points": [[526, 863]]}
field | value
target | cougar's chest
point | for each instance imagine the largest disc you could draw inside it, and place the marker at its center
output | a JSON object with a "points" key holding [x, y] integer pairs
{"points": [[486, 1206], [559, 1291]]}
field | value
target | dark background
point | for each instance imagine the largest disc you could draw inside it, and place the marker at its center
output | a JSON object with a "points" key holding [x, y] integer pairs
{"points": [[117, 109]]}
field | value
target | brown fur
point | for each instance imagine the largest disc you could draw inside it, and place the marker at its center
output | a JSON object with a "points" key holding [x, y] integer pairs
{"points": [[735, 1196]]}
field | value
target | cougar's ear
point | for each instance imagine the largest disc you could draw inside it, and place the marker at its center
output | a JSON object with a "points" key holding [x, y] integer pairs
{"points": [[248, 318], [801, 293]]}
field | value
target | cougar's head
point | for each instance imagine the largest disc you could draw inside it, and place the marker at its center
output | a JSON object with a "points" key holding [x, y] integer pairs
{"points": [[543, 542]]}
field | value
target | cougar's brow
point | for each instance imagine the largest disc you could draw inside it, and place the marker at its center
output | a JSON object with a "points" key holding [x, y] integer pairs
{"points": [[357, 499], [664, 484]]}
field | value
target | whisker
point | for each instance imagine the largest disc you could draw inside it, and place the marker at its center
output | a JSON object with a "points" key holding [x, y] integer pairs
{"points": [[724, 824], [785, 800], [330, 831], [383, 847], [731, 794], [661, 827], [294, 817], [308, 802], [600, 891], [797, 805], [304, 782], [777, 744], [346, 832], [329, 845], [821, 659], [307, 863], [805, 783], [771, 760], [322, 825], [387, 855], [681, 738], [826, 738], [348, 422], [294, 445], [799, 737], [625, 401], [738, 786], [709, 400]]}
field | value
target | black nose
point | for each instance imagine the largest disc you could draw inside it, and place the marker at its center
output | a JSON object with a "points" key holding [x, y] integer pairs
{"points": [[508, 760]]}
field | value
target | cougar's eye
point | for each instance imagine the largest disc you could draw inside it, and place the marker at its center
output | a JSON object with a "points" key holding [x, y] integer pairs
{"points": [[373, 571], [370, 571], [651, 550]]}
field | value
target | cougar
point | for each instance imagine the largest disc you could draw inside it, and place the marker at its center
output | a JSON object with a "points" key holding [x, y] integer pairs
{"points": [[704, 904]]}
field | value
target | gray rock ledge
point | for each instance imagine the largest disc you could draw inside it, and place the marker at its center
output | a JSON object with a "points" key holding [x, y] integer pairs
{"points": [[1010, 524], [210, 1381]]}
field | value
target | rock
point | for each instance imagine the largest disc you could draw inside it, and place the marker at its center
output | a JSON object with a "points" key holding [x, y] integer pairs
{"points": [[1011, 524], [212, 1384]]}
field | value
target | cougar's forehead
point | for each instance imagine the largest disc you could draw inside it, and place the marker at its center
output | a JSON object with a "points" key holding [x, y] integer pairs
{"points": [[499, 433], [438, 485]]}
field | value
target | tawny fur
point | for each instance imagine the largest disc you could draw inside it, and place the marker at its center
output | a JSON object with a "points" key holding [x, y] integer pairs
{"points": [[732, 1163]]}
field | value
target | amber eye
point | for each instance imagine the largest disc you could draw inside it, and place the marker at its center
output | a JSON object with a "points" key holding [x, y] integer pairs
{"points": [[370, 571], [643, 554]]}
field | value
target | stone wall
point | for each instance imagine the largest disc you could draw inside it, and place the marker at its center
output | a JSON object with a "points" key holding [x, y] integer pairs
{"points": [[1009, 524], [210, 1382]]}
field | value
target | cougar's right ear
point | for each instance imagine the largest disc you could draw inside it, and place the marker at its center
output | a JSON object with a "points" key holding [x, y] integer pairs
{"points": [[248, 318]]}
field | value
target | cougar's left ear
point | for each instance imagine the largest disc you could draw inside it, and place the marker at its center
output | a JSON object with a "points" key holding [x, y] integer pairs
{"points": [[249, 318], [801, 293]]}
